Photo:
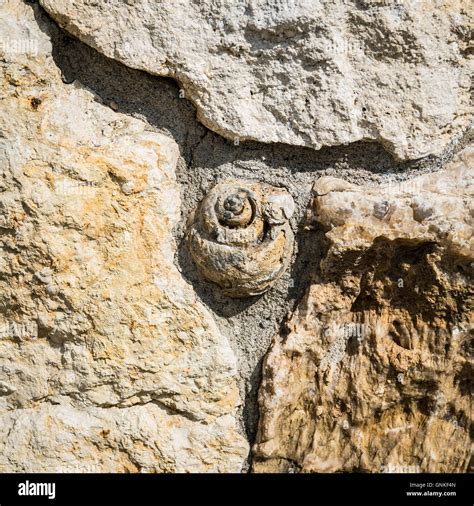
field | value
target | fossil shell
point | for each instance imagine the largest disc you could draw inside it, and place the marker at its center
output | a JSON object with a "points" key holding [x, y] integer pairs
{"points": [[240, 238]]}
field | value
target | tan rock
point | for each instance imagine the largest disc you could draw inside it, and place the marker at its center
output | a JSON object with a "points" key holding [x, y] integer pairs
{"points": [[375, 371], [108, 361]]}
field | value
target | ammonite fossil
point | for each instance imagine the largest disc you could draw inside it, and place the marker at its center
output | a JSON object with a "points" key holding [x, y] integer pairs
{"points": [[240, 237]]}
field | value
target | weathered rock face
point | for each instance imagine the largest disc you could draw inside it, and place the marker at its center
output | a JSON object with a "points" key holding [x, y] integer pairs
{"points": [[375, 371], [299, 72], [108, 361]]}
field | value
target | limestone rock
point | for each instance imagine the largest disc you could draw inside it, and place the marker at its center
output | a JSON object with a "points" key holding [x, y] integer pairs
{"points": [[108, 361], [297, 71], [375, 370]]}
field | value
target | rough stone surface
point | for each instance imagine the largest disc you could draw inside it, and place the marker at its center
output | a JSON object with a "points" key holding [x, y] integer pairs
{"points": [[108, 360], [300, 72], [206, 159], [146, 431], [374, 370]]}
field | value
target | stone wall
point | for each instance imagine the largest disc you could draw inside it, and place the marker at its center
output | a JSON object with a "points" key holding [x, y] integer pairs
{"points": [[322, 319]]}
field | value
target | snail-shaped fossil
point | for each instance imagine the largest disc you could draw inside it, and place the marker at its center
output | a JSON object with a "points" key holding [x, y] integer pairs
{"points": [[240, 238]]}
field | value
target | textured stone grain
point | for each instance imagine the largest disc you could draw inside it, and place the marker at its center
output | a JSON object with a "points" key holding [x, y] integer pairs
{"points": [[299, 72], [374, 370], [108, 361]]}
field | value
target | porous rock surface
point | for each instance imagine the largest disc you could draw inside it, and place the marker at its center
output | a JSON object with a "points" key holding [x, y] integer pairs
{"points": [[374, 370], [301, 72], [108, 361], [111, 362]]}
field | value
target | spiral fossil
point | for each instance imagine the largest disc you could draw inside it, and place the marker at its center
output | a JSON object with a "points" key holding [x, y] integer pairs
{"points": [[240, 238]]}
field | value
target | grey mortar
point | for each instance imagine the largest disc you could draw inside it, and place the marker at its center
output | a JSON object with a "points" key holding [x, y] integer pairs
{"points": [[206, 158]]}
